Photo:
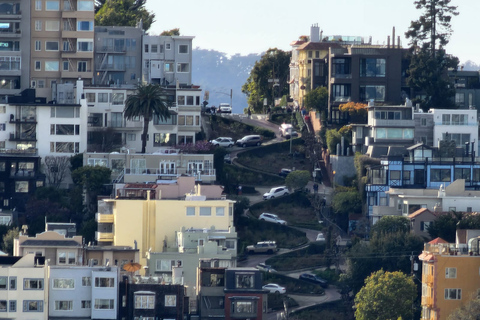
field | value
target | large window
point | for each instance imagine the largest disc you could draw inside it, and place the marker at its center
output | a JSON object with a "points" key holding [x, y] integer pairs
{"points": [[459, 138], [377, 93], [163, 139], [450, 273], [102, 304], [341, 92], [168, 67], [183, 67], [144, 301], [105, 282], [63, 284], [205, 211], [52, 65], [160, 121], [243, 307], [462, 173], [244, 281], [84, 25], [170, 300], [388, 115], [32, 306], [63, 305], [33, 284], [440, 175], [341, 68], [371, 67], [52, 25], [85, 45], [453, 294], [65, 129], [83, 5], [65, 147], [52, 5], [183, 48], [3, 283], [86, 281]]}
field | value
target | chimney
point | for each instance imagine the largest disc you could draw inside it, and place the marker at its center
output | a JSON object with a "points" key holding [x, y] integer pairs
{"points": [[388, 42], [398, 42], [315, 33], [393, 37]]}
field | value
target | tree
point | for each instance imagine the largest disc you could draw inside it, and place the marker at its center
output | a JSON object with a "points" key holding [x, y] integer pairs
{"points": [[357, 111], [125, 13], [445, 227], [391, 224], [7, 245], [469, 311], [274, 64], [317, 99], [148, 101], [429, 64], [347, 202], [56, 169], [92, 180], [76, 161], [386, 296], [297, 180], [172, 32]]}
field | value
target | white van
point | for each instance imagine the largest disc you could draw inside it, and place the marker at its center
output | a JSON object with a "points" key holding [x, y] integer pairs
{"points": [[225, 108]]}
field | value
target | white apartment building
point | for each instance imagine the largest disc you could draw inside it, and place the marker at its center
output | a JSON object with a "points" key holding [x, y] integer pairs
{"points": [[83, 292], [23, 289], [458, 125]]}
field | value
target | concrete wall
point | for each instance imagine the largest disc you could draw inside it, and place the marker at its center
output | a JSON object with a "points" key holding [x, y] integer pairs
{"points": [[343, 167]]}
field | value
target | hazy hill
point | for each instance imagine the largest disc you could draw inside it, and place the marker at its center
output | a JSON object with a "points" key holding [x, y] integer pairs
{"points": [[218, 73]]}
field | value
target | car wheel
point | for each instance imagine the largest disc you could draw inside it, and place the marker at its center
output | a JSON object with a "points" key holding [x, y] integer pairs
{"points": [[277, 292], [258, 143], [272, 197], [230, 145], [270, 251], [244, 145], [251, 252]]}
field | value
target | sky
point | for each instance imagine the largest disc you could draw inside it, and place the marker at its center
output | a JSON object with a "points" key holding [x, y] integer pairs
{"points": [[254, 26]]}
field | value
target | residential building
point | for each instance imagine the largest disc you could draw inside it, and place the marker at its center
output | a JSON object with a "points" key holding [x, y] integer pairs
{"points": [[86, 292], [62, 37], [450, 276], [23, 287], [460, 126], [144, 299], [165, 164], [467, 85], [110, 256], [152, 214], [420, 220], [15, 44], [67, 229], [56, 248], [118, 52]]}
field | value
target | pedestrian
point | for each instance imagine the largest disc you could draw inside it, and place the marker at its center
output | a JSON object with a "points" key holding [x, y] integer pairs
{"points": [[249, 113]]}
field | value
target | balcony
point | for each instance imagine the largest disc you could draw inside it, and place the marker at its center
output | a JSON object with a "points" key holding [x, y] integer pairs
{"points": [[111, 49], [14, 119], [77, 54], [111, 67], [22, 137], [404, 123], [77, 74], [428, 279], [104, 236], [427, 301], [30, 151], [104, 218], [125, 125]]}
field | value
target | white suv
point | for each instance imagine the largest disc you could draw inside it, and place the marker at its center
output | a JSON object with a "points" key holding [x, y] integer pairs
{"points": [[270, 217], [223, 142], [225, 108], [276, 192]]}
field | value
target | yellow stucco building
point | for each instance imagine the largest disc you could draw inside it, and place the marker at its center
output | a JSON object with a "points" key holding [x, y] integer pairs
{"points": [[148, 216], [450, 276]]}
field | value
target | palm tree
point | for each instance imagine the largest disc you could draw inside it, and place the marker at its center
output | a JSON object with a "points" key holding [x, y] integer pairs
{"points": [[149, 100]]}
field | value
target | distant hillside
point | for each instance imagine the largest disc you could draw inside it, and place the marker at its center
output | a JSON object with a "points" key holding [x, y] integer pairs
{"points": [[216, 72], [470, 66]]}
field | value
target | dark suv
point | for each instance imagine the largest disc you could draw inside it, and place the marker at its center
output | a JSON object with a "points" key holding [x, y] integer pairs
{"points": [[314, 279], [247, 141]]}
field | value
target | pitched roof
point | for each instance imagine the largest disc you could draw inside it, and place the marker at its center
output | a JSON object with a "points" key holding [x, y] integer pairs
{"points": [[437, 241], [318, 46], [418, 212]]}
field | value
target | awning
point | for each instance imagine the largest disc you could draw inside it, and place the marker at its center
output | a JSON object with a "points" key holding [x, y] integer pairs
{"points": [[173, 112], [426, 257]]}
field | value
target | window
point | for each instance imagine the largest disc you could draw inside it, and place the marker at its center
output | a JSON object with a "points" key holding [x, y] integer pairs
{"points": [[85, 45], [38, 45], [63, 284], [341, 92], [32, 306], [64, 147], [183, 67], [82, 66], [86, 281], [183, 48], [38, 25], [424, 122], [168, 67], [230, 244], [51, 45], [424, 225], [52, 5], [145, 302], [38, 65], [33, 284], [105, 282], [453, 294], [205, 211], [165, 265], [395, 175], [146, 48], [244, 307], [190, 211], [462, 173], [170, 300], [440, 175], [220, 211], [377, 93], [21, 186], [13, 283], [103, 97], [84, 25], [450, 273], [52, 65], [51, 25], [132, 136], [90, 97], [370, 67], [102, 304], [445, 119], [460, 98], [154, 48], [64, 305], [86, 304], [244, 281], [85, 5], [117, 98], [38, 5], [3, 283], [341, 68], [13, 306], [168, 46]]}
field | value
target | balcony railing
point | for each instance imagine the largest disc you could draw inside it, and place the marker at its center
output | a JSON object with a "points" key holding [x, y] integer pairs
{"points": [[427, 301], [104, 218], [103, 236], [30, 151], [151, 171]]}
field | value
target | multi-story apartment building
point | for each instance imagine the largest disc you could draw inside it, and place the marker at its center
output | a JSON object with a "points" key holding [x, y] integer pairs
{"points": [[166, 164], [23, 288], [150, 215], [62, 37], [450, 276], [15, 47], [467, 88], [118, 52]]}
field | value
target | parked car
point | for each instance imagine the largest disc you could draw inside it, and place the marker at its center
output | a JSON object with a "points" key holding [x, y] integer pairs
{"points": [[225, 108], [274, 288], [263, 247], [284, 172], [270, 217], [290, 134], [276, 192], [225, 142], [285, 128], [265, 267], [314, 279], [227, 159], [320, 237], [252, 140]]}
